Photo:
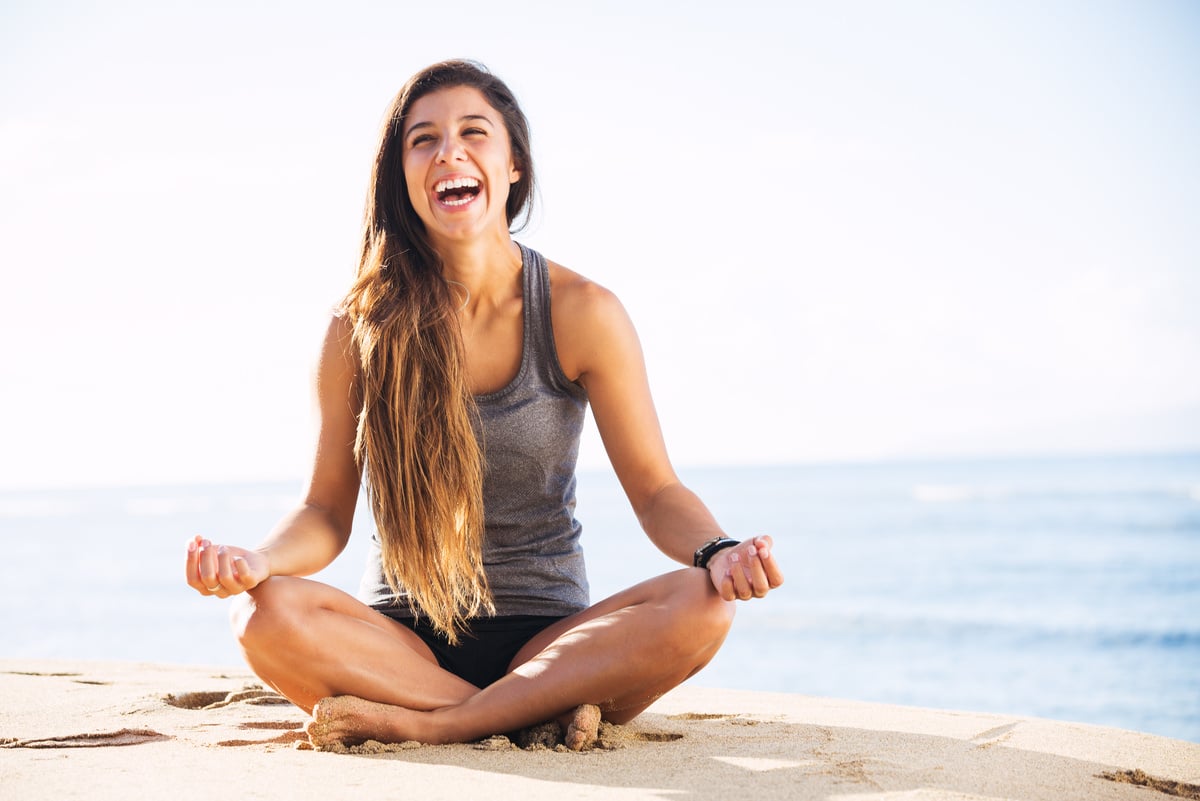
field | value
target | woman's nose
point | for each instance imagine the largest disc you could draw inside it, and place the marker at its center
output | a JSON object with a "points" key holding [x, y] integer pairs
{"points": [[450, 150]]}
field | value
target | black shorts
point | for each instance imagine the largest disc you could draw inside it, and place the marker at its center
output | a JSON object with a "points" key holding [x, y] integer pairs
{"points": [[485, 650]]}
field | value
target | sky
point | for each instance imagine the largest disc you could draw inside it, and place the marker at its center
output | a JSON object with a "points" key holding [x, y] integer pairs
{"points": [[844, 230]]}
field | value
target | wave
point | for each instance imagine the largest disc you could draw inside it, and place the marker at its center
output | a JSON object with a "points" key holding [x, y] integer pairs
{"points": [[34, 507], [142, 503], [1022, 632], [952, 493], [956, 493]]}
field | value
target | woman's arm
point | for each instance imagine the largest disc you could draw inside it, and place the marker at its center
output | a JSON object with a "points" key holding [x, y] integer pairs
{"points": [[598, 346], [311, 536]]}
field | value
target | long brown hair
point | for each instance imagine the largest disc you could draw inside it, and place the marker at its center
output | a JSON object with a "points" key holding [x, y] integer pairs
{"points": [[416, 430]]}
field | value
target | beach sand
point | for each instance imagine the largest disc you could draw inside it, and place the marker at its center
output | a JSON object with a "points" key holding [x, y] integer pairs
{"points": [[108, 731]]}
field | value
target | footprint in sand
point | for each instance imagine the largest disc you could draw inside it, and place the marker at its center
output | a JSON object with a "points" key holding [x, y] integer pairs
{"points": [[736, 720], [55, 676], [291, 733], [93, 740], [216, 699], [1142, 779]]}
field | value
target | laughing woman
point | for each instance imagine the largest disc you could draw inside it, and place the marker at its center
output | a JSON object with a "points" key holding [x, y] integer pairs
{"points": [[453, 380]]}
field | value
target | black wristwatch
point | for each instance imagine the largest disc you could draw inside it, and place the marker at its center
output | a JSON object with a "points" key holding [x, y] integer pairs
{"points": [[706, 551]]}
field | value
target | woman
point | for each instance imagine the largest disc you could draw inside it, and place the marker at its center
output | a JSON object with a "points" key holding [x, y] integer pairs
{"points": [[453, 380]]}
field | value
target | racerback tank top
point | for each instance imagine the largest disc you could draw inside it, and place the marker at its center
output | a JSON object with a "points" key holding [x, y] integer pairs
{"points": [[529, 434]]}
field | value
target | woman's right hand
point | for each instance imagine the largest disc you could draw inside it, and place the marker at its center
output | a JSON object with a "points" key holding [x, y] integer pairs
{"points": [[224, 570]]}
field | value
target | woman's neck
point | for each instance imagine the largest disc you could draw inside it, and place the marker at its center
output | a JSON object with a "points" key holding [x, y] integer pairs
{"points": [[484, 269]]}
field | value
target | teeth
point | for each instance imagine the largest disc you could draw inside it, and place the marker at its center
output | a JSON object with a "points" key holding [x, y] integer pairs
{"points": [[456, 183]]}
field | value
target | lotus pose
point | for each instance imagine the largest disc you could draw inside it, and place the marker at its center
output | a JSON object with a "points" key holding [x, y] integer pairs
{"points": [[453, 382]]}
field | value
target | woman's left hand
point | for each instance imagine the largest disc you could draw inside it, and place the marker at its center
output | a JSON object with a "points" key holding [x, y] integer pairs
{"points": [[746, 570]]}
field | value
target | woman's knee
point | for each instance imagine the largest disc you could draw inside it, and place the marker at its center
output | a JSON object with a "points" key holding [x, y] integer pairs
{"points": [[699, 610], [264, 611], [715, 613]]}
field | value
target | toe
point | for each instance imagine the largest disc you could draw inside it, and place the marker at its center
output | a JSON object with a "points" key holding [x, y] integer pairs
{"points": [[584, 727]]}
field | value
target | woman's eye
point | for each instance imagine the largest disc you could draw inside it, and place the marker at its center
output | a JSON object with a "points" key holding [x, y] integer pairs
{"points": [[420, 139], [474, 132]]}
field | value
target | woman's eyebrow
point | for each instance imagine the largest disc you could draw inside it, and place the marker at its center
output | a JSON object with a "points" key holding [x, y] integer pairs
{"points": [[470, 117]]}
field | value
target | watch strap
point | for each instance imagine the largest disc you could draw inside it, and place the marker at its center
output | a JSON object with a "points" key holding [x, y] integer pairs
{"points": [[706, 551]]}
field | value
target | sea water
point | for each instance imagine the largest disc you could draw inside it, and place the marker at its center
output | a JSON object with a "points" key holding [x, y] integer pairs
{"points": [[1065, 588]]}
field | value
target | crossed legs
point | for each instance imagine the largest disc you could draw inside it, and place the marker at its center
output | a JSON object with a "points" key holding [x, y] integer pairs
{"points": [[364, 676]]}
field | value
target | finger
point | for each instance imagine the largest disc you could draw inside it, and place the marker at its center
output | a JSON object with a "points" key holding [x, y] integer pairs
{"points": [[759, 584], [243, 576], [774, 574], [234, 572], [192, 570], [209, 577], [741, 584], [225, 567], [720, 575], [770, 566], [724, 585]]}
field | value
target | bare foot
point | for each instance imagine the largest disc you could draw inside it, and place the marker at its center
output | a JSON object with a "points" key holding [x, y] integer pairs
{"points": [[584, 728], [347, 720]]}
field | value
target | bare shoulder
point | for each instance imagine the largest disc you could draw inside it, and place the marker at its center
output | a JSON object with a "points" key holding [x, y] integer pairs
{"points": [[338, 344], [340, 328], [578, 294], [338, 363], [589, 320]]}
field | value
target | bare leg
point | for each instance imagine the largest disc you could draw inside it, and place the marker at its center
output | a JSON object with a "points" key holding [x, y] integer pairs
{"points": [[310, 641], [621, 655]]}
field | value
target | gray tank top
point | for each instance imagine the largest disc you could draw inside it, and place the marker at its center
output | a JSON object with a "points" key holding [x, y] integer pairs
{"points": [[530, 441]]}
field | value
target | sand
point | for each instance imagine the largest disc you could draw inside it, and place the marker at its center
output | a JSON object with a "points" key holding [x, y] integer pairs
{"points": [[109, 731]]}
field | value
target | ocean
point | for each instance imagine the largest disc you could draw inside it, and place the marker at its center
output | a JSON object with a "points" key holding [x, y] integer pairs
{"points": [[1065, 588]]}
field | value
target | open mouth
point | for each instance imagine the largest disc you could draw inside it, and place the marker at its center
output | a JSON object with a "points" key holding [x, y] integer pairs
{"points": [[456, 191]]}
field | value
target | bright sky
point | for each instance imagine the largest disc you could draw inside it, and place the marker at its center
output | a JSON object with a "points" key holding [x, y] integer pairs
{"points": [[845, 230]]}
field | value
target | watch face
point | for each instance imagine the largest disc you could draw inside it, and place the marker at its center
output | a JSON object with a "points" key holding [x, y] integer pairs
{"points": [[706, 550]]}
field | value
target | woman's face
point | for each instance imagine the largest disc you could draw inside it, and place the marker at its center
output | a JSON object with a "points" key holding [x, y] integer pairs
{"points": [[458, 164]]}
